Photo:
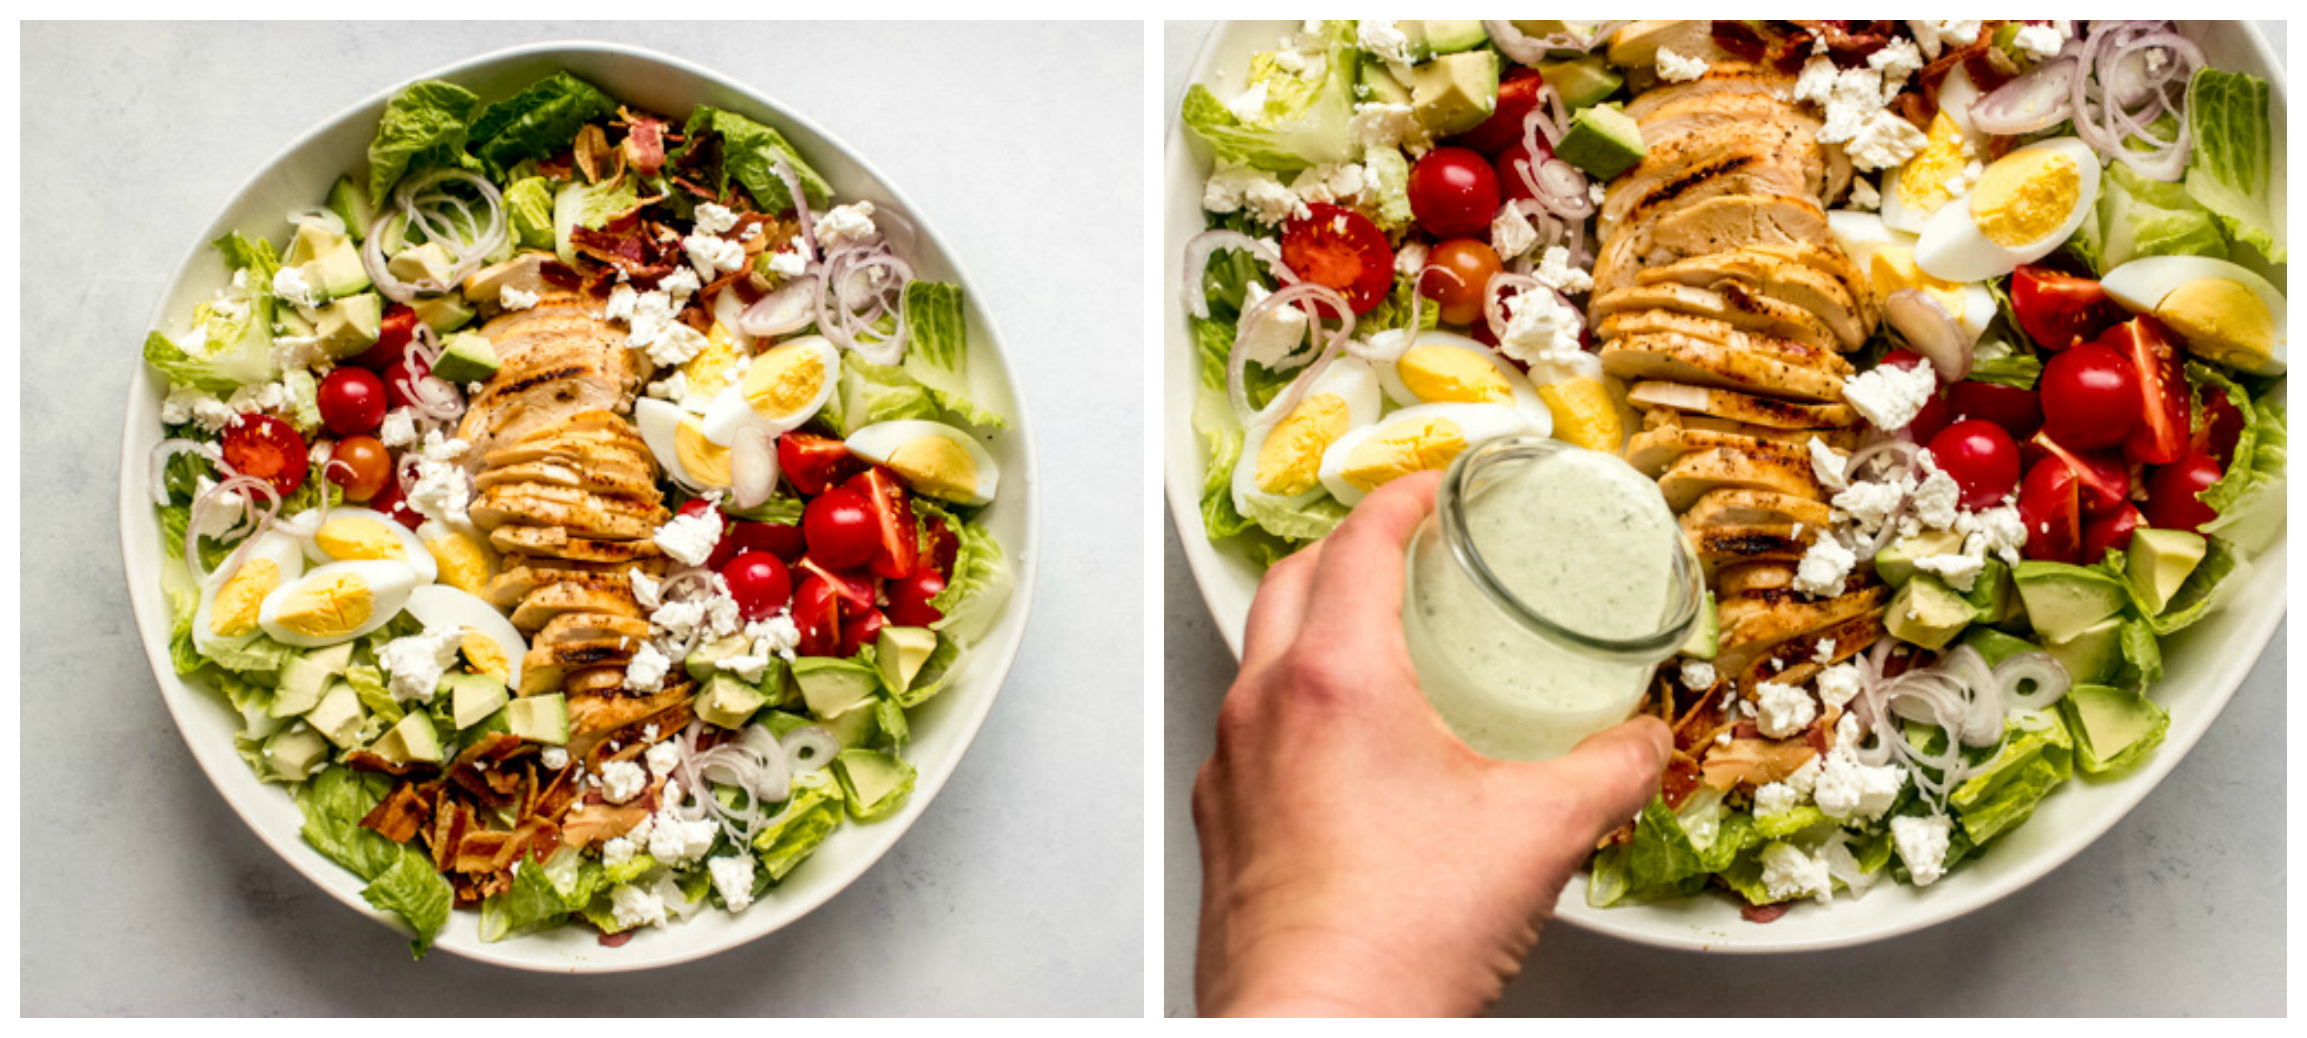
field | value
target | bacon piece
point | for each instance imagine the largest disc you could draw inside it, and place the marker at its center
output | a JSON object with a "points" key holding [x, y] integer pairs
{"points": [[1681, 779], [400, 815], [362, 760], [644, 144], [1763, 913], [616, 940]]}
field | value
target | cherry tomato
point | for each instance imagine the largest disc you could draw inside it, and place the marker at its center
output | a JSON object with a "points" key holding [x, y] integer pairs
{"points": [[268, 449], [817, 615], [2090, 397], [1457, 276], [2112, 530], [1341, 248], [401, 378], [2171, 490], [1453, 193], [1508, 166], [759, 583], [1517, 94], [899, 552], [854, 590], [858, 630], [2018, 411], [392, 339], [2059, 310], [779, 539], [392, 502], [2218, 427], [2102, 478], [1981, 457], [941, 544], [840, 528], [2160, 435], [813, 463], [352, 401], [724, 549], [361, 465], [2051, 512], [909, 598]]}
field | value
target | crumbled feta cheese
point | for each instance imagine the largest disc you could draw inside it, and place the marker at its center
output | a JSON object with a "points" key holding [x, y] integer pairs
{"points": [[1823, 652], [1697, 675], [399, 428], [1869, 503], [1377, 124], [1849, 789], [1788, 873], [1922, 844], [646, 672], [512, 298], [778, 635], [1276, 336], [1511, 234], [1674, 68], [1411, 259], [644, 588], [258, 396], [713, 256], [1555, 271], [789, 262], [850, 224], [1824, 567], [1385, 41], [442, 490], [663, 758], [1996, 530], [1783, 711], [1543, 332], [714, 218], [297, 352], [733, 877], [1775, 798], [1890, 396], [1250, 105], [1853, 99], [678, 620], [1882, 141], [623, 303], [1895, 61], [1838, 684], [2041, 41], [554, 757], [1959, 33], [289, 284], [1960, 572], [1829, 466], [1330, 183], [618, 850], [1863, 195], [1238, 188], [690, 539], [417, 661], [676, 343], [1805, 778], [633, 907], [622, 780], [1938, 500], [676, 841]]}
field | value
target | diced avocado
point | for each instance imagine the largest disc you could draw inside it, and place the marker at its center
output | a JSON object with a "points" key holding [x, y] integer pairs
{"points": [[473, 697], [295, 752], [2113, 726], [781, 724], [873, 782], [1438, 36], [2063, 600], [349, 201], [1896, 562], [1455, 92], [1583, 81], [412, 740], [542, 719], [2159, 561], [339, 717], [899, 652], [1706, 635], [349, 325], [443, 313], [1602, 141], [329, 262], [777, 684], [831, 686], [705, 660], [304, 678], [310, 242], [1996, 646], [426, 262], [1378, 85], [1991, 593], [466, 357], [728, 701], [1927, 612], [289, 322], [853, 727], [2093, 655]]}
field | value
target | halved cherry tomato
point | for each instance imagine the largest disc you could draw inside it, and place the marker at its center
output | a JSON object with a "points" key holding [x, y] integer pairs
{"points": [[941, 544], [1981, 457], [841, 529], [2051, 512], [2160, 437], [1517, 94], [900, 549], [2018, 411], [391, 501], [2102, 480], [2172, 503], [2059, 310], [780, 539], [1341, 248], [1457, 276], [723, 549], [2112, 530], [2218, 427], [909, 598], [813, 463], [392, 339], [361, 465], [1453, 193], [856, 590], [400, 380], [352, 401], [2090, 396], [817, 615], [268, 449], [859, 629]]}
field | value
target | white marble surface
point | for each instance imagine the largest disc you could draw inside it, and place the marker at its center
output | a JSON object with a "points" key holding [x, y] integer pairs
{"points": [[1019, 892], [2178, 910]]}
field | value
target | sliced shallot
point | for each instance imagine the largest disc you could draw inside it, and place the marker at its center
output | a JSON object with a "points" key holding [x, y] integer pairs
{"points": [[1930, 331]]}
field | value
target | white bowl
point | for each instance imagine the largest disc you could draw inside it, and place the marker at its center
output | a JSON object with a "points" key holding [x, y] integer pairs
{"points": [[942, 728], [2204, 664]]}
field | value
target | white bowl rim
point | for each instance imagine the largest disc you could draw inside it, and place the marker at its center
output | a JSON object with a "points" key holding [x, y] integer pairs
{"points": [[1208, 566], [144, 594]]}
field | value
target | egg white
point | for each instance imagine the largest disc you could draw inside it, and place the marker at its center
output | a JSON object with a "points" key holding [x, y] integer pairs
{"points": [[660, 425], [1346, 378], [1861, 235], [730, 412], [1517, 384], [281, 550], [439, 606], [1479, 423], [412, 547], [2140, 286], [389, 585], [1953, 248], [878, 442]]}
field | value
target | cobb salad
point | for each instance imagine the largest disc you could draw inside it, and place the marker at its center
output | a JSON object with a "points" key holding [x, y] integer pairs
{"points": [[575, 507], [1956, 346]]}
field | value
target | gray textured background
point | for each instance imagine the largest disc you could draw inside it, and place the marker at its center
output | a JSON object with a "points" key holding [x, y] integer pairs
{"points": [[2177, 910], [1021, 889]]}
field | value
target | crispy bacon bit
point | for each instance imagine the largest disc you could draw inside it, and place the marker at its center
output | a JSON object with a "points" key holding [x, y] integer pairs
{"points": [[400, 815], [595, 158], [643, 251], [1751, 761], [1763, 913], [559, 274], [362, 760], [616, 940], [557, 167], [1681, 779], [645, 143]]}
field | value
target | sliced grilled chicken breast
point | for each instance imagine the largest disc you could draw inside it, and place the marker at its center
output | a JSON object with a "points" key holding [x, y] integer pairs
{"points": [[1694, 474]]}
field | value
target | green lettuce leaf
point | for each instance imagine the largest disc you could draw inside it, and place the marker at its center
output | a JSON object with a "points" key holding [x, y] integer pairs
{"points": [[529, 206], [412, 890], [2020, 370], [2142, 656], [588, 205], [749, 154], [938, 353], [2249, 495], [540, 121], [230, 344], [2141, 217], [1672, 853], [256, 257], [532, 904], [1310, 523], [871, 393], [811, 814], [2231, 169], [1304, 120], [980, 581], [401, 877], [424, 125], [2004, 794]]}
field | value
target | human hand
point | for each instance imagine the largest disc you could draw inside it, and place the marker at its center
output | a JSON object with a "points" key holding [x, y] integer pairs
{"points": [[1357, 858]]}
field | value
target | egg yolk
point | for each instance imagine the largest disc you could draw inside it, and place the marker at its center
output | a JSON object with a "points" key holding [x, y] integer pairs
{"points": [[484, 656], [234, 611], [327, 606], [1439, 373], [1290, 461], [2026, 196], [935, 466], [2220, 318], [357, 537], [463, 562], [1584, 414], [1401, 449], [784, 380], [704, 460], [714, 368], [1892, 267], [1922, 182]]}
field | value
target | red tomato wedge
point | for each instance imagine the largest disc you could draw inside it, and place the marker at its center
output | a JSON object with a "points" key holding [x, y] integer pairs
{"points": [[817, 613], [2174, 500], [899, 552], [2053, 515], [1341, 248], [859, 630], [2112, 530], [268, 449], [2160, 437], [392, 339], [2060, 310], [2018, 411], [814, 463], [2102, 480]]}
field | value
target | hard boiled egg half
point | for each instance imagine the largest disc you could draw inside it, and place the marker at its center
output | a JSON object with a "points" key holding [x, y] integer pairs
{"points": [[1445, 368], [354, 534], [934, 458], [2025, 205], [1887, 258], [1413, 439], [491, 644], [2222, 310], [1281, 462], [678, 440], [337, 602], [782, 387], [461, 554], [232, 598]]}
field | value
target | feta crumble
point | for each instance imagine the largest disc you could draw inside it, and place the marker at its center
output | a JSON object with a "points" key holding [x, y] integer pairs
{"points": [[1848, 789], [733, 877], [1890, 396], [1961, 572], [512, 298], [1783, 711], [633, 907], [1555, 271], [1922, 843], [1674, 68], [622, 780], [1337, 184], [847, 225], [289, 284], [714, 218], [417, 661], [1788, 873], [1838, 684], [1697, 675], [1830, 467], [1511, 234], [1378, 124], [1543, 332], [646, 672], [554, 757], [1863, 195], [1824, 567], [1239, 188], [690, 539]]}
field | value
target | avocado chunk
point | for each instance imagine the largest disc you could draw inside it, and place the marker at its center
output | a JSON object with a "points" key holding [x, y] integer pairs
{"points": [[303, 679], [329, 262], [473, 697], [427, 262], [873, 782], [349, 201], [542, 719], [705, 660], [899, 653], [1927, 612], [1896, 562], [295, 752], [1991, 593], [1706, 634], [340, 717], [466, 357], [1602, 141], [856, 726], [727, 701], [443, 314], [1455, 92], [1995, 646], [349, 325], [2094, 654], [411, 741], [1438, 36], [2159, 562], [2063, 600], [1376, 83], [832, 686], [2113, 727], [1583, 81]]}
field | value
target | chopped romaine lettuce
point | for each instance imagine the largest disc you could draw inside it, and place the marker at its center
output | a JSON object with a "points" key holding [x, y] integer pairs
{"points": [[2249, 495], [529, 208], [2141, 217], [579, 204], [938, 354], [402, 877], [1672, 852], [871, 393], [540, 121], [749, 154], [230, 344], [423, 126], [1303, 121], [2231, 171], [2020, 370], [980, 580], [2005, 792]]}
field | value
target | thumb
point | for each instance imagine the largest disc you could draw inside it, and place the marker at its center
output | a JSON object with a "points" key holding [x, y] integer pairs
{"points": [[1608, 778]]}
